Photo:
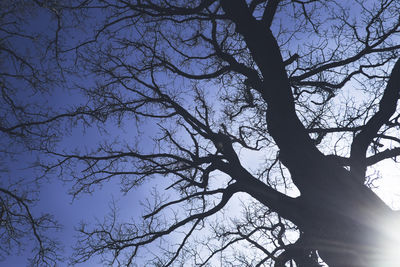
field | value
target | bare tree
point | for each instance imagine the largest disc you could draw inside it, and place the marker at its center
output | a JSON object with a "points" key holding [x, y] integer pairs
{"points": [[27, 75], [309, 87]]}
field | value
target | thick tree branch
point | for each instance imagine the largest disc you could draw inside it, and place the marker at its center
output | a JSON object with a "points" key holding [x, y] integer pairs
{"points": [[297, 148], [386, 154], [170, 10], [387, 107], [269, 12], [282, 204]]}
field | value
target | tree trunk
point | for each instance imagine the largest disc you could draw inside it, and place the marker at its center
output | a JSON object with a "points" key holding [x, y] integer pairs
{"points": [[338, 214], [345, 221]]}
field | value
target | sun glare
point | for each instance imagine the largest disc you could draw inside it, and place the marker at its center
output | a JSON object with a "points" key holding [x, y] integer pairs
{"points": [[388, 252]]}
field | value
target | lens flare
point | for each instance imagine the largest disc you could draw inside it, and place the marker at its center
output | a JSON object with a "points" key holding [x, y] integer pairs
{"points": [[388, 252]]}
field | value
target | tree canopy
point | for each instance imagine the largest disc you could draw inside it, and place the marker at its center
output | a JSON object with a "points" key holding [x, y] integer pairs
{"points": [[284, 108]]}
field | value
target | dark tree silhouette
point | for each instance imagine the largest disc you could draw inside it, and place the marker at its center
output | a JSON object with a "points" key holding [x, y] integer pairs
{"points": [[309, 87], [26, 73]]}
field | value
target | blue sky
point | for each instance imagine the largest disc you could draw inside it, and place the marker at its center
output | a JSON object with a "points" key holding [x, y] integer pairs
{"points": [[86, 207], [70, 212], [53, 197]]}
